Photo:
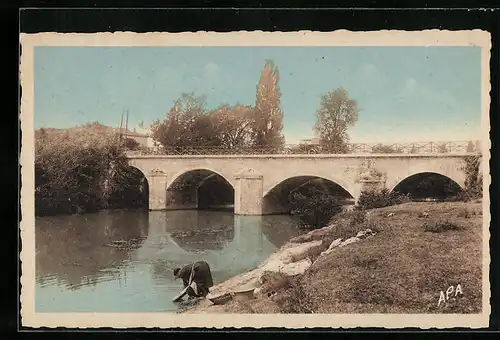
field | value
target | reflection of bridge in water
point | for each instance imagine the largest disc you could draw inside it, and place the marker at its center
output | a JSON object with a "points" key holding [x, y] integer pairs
{"points": [[230, 243], [79, 250], [75, 250]]}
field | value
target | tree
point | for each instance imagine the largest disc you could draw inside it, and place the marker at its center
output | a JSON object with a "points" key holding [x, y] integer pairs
{"points": [[81, 170], [442, 148], [316, 210], [473, 176], [470, 146], [335, 115], [477, 146], [268, 118], [187, 125], [232, 124], [131, 144]]}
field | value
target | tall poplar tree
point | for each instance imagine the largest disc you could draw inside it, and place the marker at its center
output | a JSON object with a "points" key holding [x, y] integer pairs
{"points": [[268, 118]]}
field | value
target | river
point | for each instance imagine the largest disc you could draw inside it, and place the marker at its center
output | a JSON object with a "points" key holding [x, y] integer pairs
{"points": [[123, 261]]}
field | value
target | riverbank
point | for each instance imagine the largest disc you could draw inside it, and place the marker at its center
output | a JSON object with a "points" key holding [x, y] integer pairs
{"points": [[406, 255]]}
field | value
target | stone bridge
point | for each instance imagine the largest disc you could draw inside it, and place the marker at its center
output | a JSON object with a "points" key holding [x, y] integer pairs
{"points": [[258, 182]]}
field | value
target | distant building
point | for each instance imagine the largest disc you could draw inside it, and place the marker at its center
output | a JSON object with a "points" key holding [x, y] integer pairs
{"points": [[312, 141], [142, 138]]}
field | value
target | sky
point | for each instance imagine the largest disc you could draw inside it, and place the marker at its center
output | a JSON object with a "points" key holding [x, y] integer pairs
{"points": [[405, 94]]}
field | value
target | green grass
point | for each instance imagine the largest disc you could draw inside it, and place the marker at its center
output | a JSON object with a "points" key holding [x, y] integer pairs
{"points": [[403, 268]]}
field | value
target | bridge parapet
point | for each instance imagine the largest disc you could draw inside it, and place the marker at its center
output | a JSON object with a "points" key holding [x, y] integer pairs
{"points": [[351, 148], [135, 155]]}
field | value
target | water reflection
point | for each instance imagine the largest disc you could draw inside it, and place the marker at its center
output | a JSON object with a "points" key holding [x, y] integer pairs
{"points": [[200, 230], [78, 250], [116, 261]]}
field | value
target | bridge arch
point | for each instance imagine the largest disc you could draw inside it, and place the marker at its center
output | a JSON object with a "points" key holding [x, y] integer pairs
{"points": [[426, 184], [274, 184], [199, 188], [276, 199], [135, 192], [185, 171], [137, 168]]}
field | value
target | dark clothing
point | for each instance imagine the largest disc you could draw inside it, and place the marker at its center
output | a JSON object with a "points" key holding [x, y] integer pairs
{"points": [[202, 276]]}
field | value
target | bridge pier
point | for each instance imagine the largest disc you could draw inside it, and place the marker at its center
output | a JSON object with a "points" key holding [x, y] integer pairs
{"points": [[157, 180], [367, 185], [248, 193]]}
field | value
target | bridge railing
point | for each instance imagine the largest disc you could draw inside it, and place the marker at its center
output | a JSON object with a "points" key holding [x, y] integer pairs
{"points": [[351, 148]]}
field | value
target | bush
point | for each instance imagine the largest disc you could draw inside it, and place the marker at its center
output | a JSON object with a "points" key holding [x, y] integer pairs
{"points": [[473, 179], [440, 227], [83, 170], [315, 211], [466, 213], [380, 198], [358, 217], [131, 144], [296, 300], [273, 282]]}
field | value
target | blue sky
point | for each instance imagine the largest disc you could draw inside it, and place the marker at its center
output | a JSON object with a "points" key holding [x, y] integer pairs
{"points": [[404, 93]]}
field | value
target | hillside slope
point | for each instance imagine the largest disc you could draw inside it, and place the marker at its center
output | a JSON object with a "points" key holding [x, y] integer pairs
{"points": [[402, 269]]}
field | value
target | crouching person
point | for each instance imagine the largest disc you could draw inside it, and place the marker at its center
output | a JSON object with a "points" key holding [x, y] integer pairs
{"points": [[197, 279]]}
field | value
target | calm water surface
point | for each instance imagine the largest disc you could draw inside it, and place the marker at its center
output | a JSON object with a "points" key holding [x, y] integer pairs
{"points": [[122, 261]]}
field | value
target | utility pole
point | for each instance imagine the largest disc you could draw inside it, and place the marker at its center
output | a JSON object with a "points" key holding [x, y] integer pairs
{"points": [[126, 124], [121, 125]]}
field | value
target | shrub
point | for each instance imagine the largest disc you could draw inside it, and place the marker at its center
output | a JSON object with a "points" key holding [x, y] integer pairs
{"points": [[273, 282], [131, 144], [466, 213], [473, 179], [440, 227], [370, 224], [295, 300], [380, 198], [358, 217], [83, 170], [314, 211]]}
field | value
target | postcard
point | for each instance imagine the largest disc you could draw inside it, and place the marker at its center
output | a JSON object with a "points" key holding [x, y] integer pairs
{"points": [[255, 179]]}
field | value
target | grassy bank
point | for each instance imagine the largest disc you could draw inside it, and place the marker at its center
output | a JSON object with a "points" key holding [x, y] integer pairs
{"points": [[419, 250]]}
